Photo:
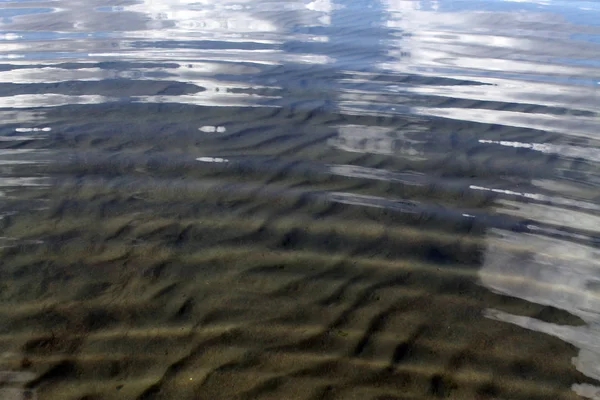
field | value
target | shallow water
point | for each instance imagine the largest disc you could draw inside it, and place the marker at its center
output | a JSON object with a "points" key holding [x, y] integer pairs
{"points": [[300, 200]]}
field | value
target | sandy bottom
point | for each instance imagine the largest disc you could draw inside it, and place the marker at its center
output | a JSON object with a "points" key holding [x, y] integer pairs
{"points": [[261, 313], [156, 278]]}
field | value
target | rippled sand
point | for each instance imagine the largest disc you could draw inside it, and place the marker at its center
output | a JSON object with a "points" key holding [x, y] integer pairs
{"points": [[287, 320], [299, 200], [151, 288]]}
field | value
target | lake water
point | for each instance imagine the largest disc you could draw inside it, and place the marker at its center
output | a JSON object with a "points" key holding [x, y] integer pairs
{"points": [[328, 199]]}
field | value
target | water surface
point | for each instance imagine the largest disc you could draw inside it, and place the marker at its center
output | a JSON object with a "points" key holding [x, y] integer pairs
{"points": [[349, 199]]}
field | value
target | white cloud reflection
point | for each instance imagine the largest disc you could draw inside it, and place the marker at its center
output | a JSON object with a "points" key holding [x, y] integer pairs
{"points": [[197, 39], [551, 271]]}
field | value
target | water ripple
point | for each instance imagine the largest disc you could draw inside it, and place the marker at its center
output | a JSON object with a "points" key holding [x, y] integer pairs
{"points": [[438, 140]]}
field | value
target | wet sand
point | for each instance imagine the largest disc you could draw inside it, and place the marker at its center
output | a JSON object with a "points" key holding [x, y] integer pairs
{"points": [[220, 307]]}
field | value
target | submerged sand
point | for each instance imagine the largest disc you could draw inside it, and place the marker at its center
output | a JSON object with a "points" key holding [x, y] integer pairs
{"points": [[141, 308]]}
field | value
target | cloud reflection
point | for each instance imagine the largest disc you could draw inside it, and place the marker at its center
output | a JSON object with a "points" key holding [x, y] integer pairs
{"points": [[554, 272], [190, 41]]}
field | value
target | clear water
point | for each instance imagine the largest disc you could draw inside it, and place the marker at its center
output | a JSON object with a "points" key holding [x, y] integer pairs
{"points": [[328, 199]]}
